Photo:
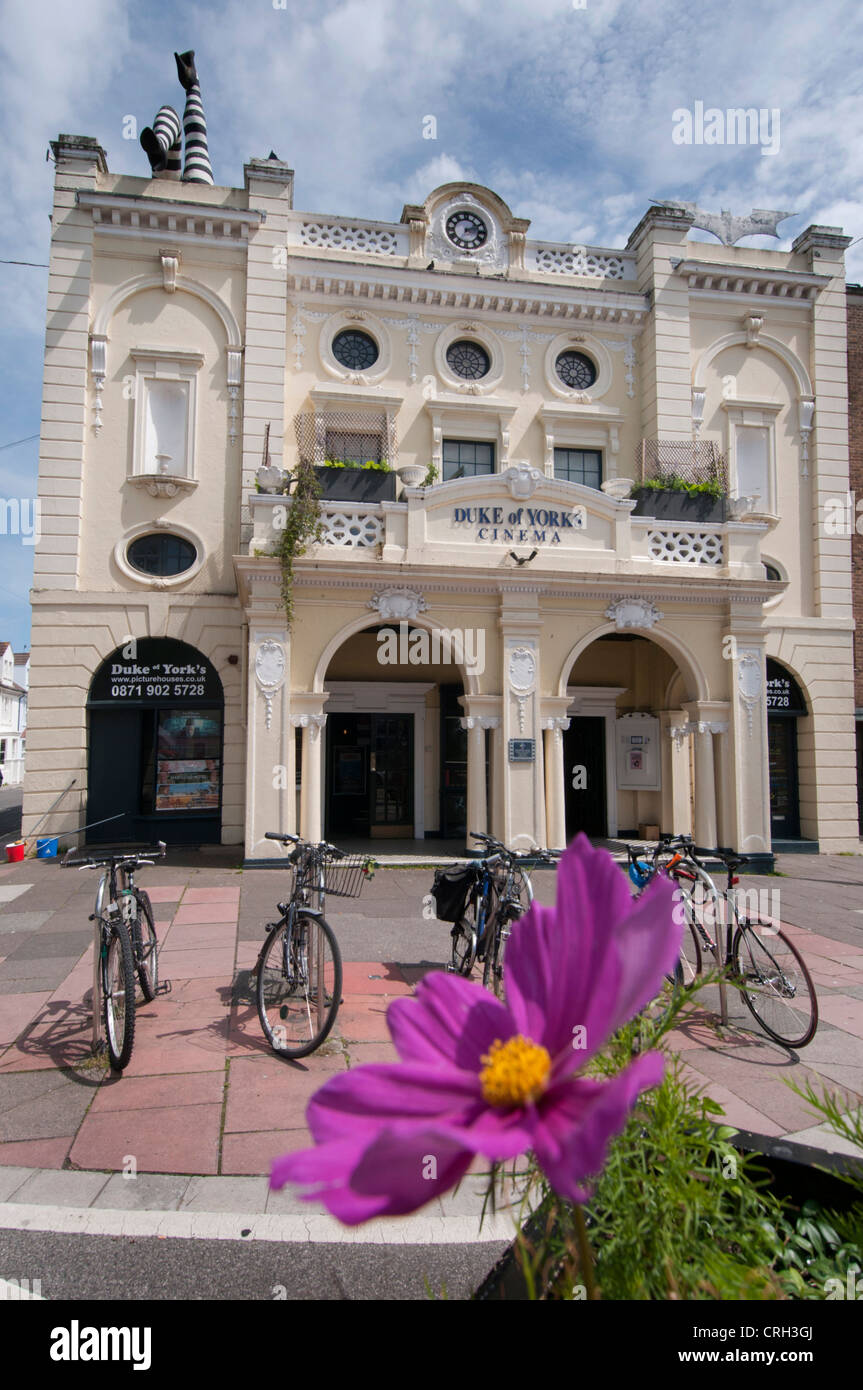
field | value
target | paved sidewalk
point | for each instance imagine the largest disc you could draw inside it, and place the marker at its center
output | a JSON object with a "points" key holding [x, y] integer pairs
{"points": [[204, 1097]]}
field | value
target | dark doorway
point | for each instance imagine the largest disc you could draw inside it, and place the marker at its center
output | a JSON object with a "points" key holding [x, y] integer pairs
{"points": [[370, 775], [785, 704], [155, 713], [584, 771]]}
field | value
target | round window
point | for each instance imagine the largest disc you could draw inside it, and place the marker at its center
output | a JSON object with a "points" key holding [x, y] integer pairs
{"points": [[771, 572], [355, 350], [575, 370], [468, 360], [162, 555], [466, 230]]}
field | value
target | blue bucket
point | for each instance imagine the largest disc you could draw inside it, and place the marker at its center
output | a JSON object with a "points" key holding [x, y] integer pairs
{"points": [[46, 849]]}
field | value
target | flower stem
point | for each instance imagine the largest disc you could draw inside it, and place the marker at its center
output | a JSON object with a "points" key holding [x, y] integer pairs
{"points": [[585, 1254]]}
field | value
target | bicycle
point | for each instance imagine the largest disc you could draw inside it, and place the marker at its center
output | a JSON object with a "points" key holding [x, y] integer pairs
{"points": [[497, 891], [299, 969], [757, 956], [127, 946]]}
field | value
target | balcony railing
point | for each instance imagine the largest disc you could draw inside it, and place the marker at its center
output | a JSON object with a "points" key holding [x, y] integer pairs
{"points": [[690, 460]]}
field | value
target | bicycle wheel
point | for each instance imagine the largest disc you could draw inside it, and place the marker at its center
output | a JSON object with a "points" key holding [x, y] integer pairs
{"points": [[494, 973], [146, 946], [776, 985], [464, 937], [118, 994], [299, 985], [690, 955], [654, 1013]]}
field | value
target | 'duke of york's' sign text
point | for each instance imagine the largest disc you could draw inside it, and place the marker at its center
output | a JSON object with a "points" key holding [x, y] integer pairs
{"points": [[536, 525]]}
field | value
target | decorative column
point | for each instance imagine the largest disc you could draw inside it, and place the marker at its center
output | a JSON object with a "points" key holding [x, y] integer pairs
{"points": [[308, 715], [704, 725], [477, 808], [269, 797], [524, 779], [555, 795], [676, 801]]}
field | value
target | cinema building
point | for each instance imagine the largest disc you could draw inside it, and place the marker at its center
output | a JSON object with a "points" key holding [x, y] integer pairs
{"points": [[490, 631]]}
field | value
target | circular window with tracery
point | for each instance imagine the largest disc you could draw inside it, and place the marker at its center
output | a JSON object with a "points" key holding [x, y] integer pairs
{"points": [[161, 554], [575, 370], [468, 360], [355, 350], [466, 230]]}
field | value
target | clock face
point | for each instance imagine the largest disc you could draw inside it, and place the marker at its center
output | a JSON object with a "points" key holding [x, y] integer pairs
{"points": [[466, 230]]}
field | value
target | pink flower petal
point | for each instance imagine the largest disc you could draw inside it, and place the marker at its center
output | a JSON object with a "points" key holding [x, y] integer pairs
{"points": [[576, 1121], [359, 1103], [648, 941], [449, 1020]]}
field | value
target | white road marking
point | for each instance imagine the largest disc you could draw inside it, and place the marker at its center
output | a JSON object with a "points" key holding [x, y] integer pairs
{"points": [[420, 1229]]}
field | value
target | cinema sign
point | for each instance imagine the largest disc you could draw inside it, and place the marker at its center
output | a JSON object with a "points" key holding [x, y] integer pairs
{"points": [[520, 525]]}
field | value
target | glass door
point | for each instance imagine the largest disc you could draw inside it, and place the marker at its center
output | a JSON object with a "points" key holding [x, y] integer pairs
{"points": [[391, 783]]}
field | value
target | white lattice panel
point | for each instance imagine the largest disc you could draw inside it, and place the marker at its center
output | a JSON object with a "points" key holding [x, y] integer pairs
{"points": [[685, 547], [578, 260], [337, 235], [350, 526]]}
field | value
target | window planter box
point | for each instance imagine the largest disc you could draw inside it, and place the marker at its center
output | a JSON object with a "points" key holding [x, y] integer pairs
{"points": [[667, 504], [356, 484], [795, 1172]]}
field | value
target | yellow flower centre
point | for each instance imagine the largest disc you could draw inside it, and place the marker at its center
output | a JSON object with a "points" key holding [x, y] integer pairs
{"points": [[514, 1072]]}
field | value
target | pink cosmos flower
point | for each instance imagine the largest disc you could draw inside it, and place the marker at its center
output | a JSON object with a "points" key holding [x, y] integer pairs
{"points": [[479, 1076]]}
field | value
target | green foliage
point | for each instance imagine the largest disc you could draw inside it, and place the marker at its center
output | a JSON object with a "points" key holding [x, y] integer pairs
{"points": [[382, 467], [431, 476], [672, 482], [679, 1213], [302, 527]]}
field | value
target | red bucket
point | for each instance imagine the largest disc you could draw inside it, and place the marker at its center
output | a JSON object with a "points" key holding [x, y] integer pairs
{"points": [[15, 853]]}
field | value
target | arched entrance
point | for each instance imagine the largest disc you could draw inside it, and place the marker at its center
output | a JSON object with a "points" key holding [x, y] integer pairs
{"points": [[628, 754], [396, 749], [785, 705], [156, 715]]}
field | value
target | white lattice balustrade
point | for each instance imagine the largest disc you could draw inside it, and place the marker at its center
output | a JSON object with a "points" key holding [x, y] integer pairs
{"points": [[685, 547], [578, 260], [336, 234], [355, 526]]}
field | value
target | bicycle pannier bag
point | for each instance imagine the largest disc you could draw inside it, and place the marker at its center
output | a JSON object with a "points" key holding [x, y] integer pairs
{"points": [[450, 890]]}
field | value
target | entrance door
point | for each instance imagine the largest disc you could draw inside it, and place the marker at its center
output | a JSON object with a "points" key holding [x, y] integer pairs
{"points": [[784, 801], [370, 788], [584, 771]]}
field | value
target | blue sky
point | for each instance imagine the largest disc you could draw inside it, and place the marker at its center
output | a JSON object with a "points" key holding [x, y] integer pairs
{"points": [[566, 112]]}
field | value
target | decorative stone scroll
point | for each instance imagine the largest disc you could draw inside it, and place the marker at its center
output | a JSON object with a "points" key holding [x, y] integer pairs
{"points": [[270, 664]]}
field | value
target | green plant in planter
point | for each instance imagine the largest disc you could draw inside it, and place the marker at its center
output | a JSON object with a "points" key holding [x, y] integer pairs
{"points": [[431, 476], [382, 467], [302, 527], [672, 482]]}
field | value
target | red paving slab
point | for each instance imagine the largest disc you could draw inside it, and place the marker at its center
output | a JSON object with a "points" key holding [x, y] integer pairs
{"points": [[176, 1139], [373, 977], [207, 912], [363, 1019], [197, 964], [253, 1154], [271, 1093], [843, 1011], [165, 893], [35, 1153], [158, 1092], [16, 1011], [361, 1053], [212, 895]]}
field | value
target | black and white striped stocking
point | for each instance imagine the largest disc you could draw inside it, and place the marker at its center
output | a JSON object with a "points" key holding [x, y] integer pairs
{"points": [[197, 163], [163, 144]]}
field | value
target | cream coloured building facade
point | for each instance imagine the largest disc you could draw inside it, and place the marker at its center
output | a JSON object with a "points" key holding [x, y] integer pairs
{"points": [[589, 662]]}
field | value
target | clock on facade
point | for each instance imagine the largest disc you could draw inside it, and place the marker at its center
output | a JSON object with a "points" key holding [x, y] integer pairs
{"points": [[466, 230]]}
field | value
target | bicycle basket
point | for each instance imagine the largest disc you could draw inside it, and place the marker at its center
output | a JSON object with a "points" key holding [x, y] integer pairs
{"points": [[450, 891], [344, 878]]}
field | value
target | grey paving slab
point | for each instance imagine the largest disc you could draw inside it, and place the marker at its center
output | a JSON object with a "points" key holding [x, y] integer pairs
{"points": [[50, 971], [144, 1192], [822, 1137], [13, 922], [288, 1202], [57, 1187], [42, 1105], [10, 891], [11, 1179], [226, 1194], [45, 944]]}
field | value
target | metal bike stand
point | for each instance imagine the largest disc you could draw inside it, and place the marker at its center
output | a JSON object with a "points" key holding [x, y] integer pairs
{"points": [[97, 985]]}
